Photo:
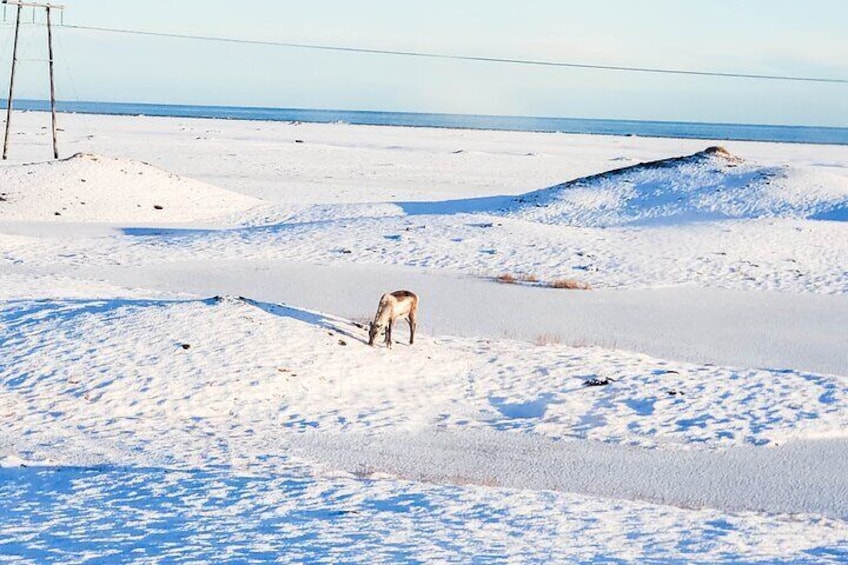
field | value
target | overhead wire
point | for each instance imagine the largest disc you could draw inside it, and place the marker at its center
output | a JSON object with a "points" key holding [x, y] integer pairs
{"points": [[474, 58], [453, 57]]}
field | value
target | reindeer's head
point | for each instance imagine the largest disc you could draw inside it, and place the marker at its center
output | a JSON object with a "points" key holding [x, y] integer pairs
{"points": [[373, 332]]}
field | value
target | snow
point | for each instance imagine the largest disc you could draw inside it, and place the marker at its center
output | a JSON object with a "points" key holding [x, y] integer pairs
{"points": [[193, 383], [734, 327], [91, 188], [708, 185]]}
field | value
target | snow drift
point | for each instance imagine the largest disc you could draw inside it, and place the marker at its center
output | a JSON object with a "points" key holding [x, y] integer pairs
{"points": [[91, 188], [709, 185], [160, 374]]}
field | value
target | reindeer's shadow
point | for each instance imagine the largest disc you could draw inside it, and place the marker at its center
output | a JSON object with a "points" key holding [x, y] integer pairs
{"points": [[339, 326]]}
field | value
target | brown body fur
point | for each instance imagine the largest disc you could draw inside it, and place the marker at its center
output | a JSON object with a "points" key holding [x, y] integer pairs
{"points": [[393, 306]]}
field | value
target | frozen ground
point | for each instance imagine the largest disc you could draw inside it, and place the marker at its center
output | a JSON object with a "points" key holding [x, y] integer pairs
{"points": [[688, 408]]}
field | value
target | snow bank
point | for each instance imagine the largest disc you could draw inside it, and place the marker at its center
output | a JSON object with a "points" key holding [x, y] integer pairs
{"points": [[708, 185], [93, 381], [725, 327], [91, 188]]}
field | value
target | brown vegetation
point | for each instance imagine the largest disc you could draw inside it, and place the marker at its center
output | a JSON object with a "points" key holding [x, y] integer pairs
{"points": [[570, 284], [718, 150], [509, 278], [547, 339]]}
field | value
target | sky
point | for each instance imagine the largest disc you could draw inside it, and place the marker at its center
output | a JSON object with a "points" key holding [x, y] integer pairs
{"points": [[751, 36]]}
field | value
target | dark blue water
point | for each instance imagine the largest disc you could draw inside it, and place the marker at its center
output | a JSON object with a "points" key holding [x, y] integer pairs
{"points": [[691, 130]]}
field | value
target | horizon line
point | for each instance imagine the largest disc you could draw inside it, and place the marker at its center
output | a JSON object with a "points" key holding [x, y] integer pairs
{"points": [[4, 103]]}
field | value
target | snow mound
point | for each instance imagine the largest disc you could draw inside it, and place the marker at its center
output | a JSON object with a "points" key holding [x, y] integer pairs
{"points": [[160, 381], [92, 188], [708, 185]]}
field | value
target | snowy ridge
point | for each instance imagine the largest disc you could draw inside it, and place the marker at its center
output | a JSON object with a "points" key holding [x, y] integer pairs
{"points": [[91, 188], [238, 364], [708, 185]]}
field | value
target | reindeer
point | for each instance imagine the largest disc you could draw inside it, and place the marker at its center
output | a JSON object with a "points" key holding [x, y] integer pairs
{"points": [[393, 306]]}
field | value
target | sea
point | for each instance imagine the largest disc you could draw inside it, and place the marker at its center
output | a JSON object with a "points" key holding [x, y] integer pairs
{"points": [[690, 130]]}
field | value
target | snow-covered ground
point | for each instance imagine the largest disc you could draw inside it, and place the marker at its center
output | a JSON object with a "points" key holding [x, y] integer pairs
{"points": [[185, 375]]}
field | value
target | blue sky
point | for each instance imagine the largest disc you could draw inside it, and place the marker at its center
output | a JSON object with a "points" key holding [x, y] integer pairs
{"points": [[755, 36]]}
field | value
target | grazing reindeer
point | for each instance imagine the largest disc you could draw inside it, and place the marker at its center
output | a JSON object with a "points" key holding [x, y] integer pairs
{"points": [[393, 306]]}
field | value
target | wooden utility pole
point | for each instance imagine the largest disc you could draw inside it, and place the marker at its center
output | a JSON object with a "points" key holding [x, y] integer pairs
{"points": [[47, 7], [52, 89], [11, 82]]}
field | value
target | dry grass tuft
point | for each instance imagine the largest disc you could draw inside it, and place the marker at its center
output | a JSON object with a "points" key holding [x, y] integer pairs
{"points": [[506, 278], [570, 284], [718, 150], [462, 480], [547, 339], [529, 278], [509, 278]]}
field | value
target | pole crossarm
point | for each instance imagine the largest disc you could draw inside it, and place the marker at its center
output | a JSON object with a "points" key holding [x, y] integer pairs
{"points": [[34, 4]]}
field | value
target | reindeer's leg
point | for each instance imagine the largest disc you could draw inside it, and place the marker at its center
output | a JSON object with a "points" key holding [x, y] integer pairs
{"points": [[389, 334], [412, 324]]}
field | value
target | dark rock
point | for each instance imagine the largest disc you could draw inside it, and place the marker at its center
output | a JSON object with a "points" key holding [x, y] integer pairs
{"points": [[598, 382]]}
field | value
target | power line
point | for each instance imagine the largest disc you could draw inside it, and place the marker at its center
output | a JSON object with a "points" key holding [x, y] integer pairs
{"points": [[427, 55], [447, 56]]}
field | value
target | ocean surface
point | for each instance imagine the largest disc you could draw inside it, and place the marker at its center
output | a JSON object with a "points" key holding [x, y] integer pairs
{"points": [[692, 130]]}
